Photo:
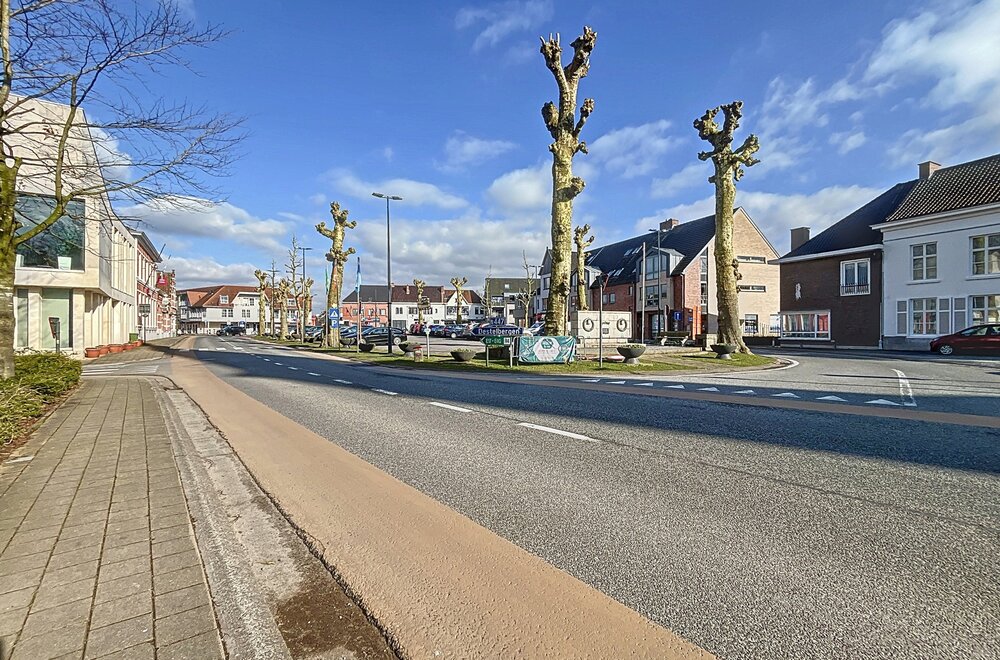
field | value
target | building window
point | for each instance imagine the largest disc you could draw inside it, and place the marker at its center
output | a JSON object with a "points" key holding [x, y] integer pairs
{"points": [[750, 324], [227, 313], [985, 309], [923, 316], [854, 277], [901, 317], [223, 300], [703, 262], [924, 258], [61, 246], [399, 310], [751, 260], [21, 318], [958, 309], [751, 288], [775, 324], [806, 325], [611, 298], [986, 254], [290, 302], [247, 313]]}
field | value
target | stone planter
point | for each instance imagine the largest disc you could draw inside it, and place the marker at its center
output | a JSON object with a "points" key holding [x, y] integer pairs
{"points": [[367, 348], [463, 356], [408, 348], [116, 348], [92, 352], [723, 351], [103, 350], [631, 352]]}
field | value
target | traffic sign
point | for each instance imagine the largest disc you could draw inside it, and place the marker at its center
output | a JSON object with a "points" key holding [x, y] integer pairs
{"points": [[334, 313], [335, 324], [497, 340], [243, 324], [143, 309]]}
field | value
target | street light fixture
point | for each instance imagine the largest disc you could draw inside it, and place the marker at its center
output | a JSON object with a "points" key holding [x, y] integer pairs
{"points": [[388, 263]]}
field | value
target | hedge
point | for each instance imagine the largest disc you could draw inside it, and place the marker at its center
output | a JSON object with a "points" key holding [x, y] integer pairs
{"points": [[39, 379]]}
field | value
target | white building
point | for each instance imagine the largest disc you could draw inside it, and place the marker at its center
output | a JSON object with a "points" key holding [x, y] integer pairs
{"points": [[941, 267], [205, 310], [442, 302], [81, 270]]}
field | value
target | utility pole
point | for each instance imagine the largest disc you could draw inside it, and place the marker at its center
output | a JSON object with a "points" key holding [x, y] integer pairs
{"points": [[388, 263], [642, 296], [274, 292]]}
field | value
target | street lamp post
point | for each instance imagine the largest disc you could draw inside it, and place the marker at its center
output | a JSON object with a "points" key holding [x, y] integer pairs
{"points": [[305, 296], [388, 264], [659, 287]]}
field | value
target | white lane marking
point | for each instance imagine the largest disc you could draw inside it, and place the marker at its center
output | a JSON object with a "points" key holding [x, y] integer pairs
{"points": [[883, 402], [278, 364], [449, 407], [375, 389], [615, 382], [220, 348], [313, 373], [643, 384], [905, 391], [548, 429], [787, 395], [591, 380], [294, 368], [744, 392], [342, 382], [674, 387], [708, 389], [829, 398], [267, 359]]}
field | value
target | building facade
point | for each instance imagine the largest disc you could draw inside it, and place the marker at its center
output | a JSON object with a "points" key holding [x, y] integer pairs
{"points": [[155, 297], [205, 310], [442, 302]]}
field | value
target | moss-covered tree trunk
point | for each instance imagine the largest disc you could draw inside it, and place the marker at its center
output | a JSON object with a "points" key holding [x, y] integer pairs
{"points": [[284, 291], [338, 257], [563, 125], [729, 166], [420, 284], [582, 243], [459, 296], [8, 260]]}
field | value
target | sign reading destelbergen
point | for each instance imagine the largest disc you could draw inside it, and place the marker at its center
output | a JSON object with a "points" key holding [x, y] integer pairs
{"points": [[546, 350]]}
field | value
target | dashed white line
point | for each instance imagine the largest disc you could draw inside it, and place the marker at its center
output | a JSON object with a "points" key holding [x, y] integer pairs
{"points": [[375, 389], [267, 359], [744, 392], [448, 406], [342, 381], [615, 382], [548, 429], [883, 402], [278, 364], [674, 387], [829, 398], [643, 384], [313, 373], [294, 368], [786, 395], [905, 391], [708, 389]]}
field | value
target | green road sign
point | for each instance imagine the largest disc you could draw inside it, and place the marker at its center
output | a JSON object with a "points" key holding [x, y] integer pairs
{"points": [[497, 340]]}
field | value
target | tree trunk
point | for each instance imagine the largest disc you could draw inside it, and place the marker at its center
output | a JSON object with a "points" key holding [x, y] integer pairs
{"points": [[730, 331], [7, 262], [562, 236], [284, 321], [582, 303], [332, 339]]}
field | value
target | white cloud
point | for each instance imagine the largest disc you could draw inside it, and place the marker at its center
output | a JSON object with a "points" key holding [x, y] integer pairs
{"points": [[437, 250], [633, 150], [319, 199], [502, 20], [206, 271], [696, 173], [176, 216], [775, 214], [462, 150], [417, 193], [524, 189], [388, 153], [848, 140]]}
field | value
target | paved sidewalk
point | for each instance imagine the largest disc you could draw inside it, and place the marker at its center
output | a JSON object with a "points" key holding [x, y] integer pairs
{"points": [[97, 554]]}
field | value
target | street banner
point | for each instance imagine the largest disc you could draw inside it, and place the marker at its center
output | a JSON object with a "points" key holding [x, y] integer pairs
{"points": [[546, 350]]}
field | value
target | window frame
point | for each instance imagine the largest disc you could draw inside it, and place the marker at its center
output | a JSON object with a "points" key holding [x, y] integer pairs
{"points": [[928, 317], [986, 251], [816, 334], [858, 288], [923, 257]]}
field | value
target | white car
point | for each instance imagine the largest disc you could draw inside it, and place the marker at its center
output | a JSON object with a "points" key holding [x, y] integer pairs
{"points": [[535, 328]]}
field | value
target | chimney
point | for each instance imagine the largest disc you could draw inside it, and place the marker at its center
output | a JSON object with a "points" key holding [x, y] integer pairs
{"points": [[407, 289], [669, 224], [927, 169], [800, 235]]}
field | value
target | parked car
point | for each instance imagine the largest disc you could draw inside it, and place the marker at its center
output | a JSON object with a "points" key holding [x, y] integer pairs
{"points": [[231, 330], [437, 330], [349, 336], [978, 338], [380, 336], [314, 333], [535, 328]]}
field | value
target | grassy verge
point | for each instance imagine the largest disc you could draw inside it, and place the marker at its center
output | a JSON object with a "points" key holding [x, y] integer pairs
{"points": [[650, 363], [40, 380]]}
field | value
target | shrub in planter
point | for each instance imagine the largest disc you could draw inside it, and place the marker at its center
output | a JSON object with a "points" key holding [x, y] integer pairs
{"points": [[631, 352], [463, 354], [723, 351]]}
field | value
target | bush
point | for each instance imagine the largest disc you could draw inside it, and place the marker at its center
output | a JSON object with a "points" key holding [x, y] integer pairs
{"points": [[48, 374]]}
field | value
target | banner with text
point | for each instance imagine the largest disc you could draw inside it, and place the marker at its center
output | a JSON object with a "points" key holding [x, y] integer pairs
{"points": [[546, 350]]}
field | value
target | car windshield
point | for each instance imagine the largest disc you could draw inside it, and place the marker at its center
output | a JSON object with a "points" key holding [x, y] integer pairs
{"points": [[974, 332]]}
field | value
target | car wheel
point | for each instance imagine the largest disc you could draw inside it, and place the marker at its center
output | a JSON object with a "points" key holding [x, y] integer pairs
{"points": [[396, 341], [945, 349], [453, 335]]}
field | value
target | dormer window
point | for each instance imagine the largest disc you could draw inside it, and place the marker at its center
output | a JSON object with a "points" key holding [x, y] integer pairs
{"points": [[223, 300]]}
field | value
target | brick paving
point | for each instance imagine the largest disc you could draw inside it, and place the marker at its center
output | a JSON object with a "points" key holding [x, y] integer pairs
{"points": [[97, 555]]}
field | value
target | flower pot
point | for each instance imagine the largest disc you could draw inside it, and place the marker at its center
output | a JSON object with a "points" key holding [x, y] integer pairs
{"points": [[92, 352], [103, 350], [408, 348], [366, 348], [116, 348], [463, 356], [631, 352], [723, 351]]}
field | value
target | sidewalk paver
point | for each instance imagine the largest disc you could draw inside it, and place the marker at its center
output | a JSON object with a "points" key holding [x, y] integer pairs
{"points": [[97, 554]]}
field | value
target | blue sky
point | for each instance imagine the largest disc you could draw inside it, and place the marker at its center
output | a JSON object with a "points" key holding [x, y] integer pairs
{"points": [[439, 102]]}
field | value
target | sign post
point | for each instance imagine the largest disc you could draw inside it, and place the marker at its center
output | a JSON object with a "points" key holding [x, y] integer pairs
{"points": [[427, 333], [493, 341], [144, 309], [54, 328]]}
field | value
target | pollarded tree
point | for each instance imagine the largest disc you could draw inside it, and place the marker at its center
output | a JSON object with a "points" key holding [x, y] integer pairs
{"points": [[338, 257], [729, 166], [459, 296], [563, 125], [582, 243], [420, 284], [261, 302], [62, 57], [283, 293]]}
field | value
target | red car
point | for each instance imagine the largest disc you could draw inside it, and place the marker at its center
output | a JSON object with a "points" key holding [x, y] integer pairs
{"points": [[978, 338]]}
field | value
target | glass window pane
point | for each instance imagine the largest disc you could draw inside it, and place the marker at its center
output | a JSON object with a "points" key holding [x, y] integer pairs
{"points": [[21, 318], [918, 250], [61, 246], [978, 242], [994, 261], [931, 268], [994, 240], [930, 248], [57, 303]]}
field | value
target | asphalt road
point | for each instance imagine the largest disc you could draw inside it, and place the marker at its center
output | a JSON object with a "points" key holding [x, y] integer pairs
{"points": [[755, 532]]}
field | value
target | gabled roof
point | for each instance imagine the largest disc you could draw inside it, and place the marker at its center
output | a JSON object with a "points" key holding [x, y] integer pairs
{"points": [[513, 284], [951, 188], [621, 260], [855, 230], [400, 294], [209, 296]]}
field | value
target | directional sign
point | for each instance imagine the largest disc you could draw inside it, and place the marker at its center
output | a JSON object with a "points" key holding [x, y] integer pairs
{"points": [[143, 309], [497, 340], [493, 330], [334, 313]]}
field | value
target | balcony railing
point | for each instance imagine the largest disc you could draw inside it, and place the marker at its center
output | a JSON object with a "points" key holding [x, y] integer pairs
{"points": [[862, 289]]}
